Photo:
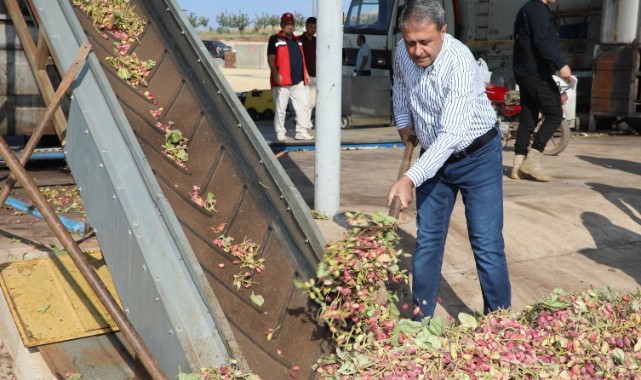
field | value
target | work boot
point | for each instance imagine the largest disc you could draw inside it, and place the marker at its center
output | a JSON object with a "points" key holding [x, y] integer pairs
{"points": [[532, 166], [281, 137], [516, 167], [304, 135]]}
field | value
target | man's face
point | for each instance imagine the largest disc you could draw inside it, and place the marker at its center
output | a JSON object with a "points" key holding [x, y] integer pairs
{"points": [[310, 29], [288, 29], [423, 42]]}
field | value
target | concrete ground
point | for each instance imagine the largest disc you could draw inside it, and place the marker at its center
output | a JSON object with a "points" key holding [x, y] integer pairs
{"points": [[581, 230]]}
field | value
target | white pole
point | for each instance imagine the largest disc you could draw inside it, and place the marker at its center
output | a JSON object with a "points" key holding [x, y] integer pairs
{"points": [[328, 106]]}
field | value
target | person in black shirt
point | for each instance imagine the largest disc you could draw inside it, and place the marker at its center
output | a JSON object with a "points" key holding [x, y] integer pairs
{"points": [[536, 58], [309, 50]]}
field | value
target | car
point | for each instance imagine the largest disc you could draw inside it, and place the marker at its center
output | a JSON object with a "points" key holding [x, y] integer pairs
{"points": [[216, 48]]}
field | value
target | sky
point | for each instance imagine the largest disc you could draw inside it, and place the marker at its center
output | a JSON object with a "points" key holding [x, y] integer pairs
{"points": [[212, 8]]}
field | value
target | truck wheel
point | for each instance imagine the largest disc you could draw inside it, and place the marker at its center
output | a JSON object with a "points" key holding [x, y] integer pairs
{"points": [[268, 114], [559, 140], [253, 114], [345, 122]]}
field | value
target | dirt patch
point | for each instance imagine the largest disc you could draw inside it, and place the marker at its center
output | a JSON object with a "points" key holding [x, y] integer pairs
{"points": [[6, 363]]}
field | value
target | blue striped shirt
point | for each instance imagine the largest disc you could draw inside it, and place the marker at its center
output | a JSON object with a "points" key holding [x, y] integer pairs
{"points": [[446, 102]]}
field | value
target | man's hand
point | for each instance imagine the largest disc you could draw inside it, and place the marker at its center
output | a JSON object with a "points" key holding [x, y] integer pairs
{"points": [[278, 78], [403, 190], [408, 134], [566, 74]]}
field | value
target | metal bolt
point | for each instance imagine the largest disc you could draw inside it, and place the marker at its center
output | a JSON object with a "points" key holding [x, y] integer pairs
{"points": [[86, 132], [260, 162], [144, 267], [171, 332], [100, 165]]}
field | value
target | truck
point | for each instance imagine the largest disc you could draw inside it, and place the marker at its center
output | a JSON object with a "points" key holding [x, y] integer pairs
{"points": [[485, 26]]}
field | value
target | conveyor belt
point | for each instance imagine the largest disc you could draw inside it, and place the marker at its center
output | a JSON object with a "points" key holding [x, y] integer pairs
{"points": [[156, 241]]}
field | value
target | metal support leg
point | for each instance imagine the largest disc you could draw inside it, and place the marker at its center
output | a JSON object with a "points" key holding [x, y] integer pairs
{"points": [[65, 238], [78, 61]]}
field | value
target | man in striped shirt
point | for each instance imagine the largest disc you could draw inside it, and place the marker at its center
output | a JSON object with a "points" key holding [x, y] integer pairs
{"points": [[439, 97]]}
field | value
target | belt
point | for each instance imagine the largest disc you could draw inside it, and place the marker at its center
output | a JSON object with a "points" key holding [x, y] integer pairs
{"points": [[477, 144]]}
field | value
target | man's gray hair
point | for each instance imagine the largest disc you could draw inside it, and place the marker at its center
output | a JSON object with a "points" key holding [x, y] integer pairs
{"points": [[423, 12]]}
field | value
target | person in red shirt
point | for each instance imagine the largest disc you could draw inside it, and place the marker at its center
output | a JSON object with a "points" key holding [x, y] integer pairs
{"points": [[309, 50], [288, 78]]}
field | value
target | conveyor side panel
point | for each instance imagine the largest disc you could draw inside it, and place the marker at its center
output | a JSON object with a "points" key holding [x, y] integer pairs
{"points": [[156, 240]]}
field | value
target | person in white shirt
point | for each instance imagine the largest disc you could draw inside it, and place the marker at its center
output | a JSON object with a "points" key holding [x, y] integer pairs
{"points": [[439, 99], [363, 58]]}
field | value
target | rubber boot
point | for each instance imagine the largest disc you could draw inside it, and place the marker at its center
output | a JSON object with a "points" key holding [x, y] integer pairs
{"points": [[516, 167], [532, 166]]}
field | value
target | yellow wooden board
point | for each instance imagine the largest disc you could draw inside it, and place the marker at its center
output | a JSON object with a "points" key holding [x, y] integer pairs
{"points": [[52, 302]]}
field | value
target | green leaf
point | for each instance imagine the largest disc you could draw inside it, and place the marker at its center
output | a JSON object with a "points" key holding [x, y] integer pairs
{"points": [[188, 376], [42, 309], [57, 251], [322, 270], [75, 376], [467, 320], [618, 355], [257, 299], [348, 368], [425, 339], [123, 73], [409, 327], [436, 326]]}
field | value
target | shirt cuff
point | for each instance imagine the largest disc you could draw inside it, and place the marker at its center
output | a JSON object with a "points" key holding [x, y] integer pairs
{"points": [[403, 121], [417, 175]]}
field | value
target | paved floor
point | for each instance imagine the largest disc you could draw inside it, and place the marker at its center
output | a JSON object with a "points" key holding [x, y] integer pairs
{"points": [[581, 230]]}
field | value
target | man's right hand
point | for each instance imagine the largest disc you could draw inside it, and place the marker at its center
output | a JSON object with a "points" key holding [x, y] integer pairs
{"points": [[565, 73], [408, 134], [277, 78]]}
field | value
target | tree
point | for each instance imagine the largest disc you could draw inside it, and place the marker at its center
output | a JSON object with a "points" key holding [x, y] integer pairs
{"points": [[240, 21], [274, 21], [224, 21], [300, 20], [197, 21], [261, 22]]}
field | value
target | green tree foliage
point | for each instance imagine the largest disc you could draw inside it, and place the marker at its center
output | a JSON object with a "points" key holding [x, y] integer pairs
{"points": [[224, 21], [274, 21], [197, 21], [240, 21], [261, 22], [300, 20]]}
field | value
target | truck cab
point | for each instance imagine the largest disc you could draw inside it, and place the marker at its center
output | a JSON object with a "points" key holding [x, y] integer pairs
{"points": [[378, 21]]}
